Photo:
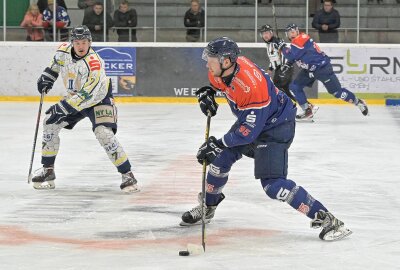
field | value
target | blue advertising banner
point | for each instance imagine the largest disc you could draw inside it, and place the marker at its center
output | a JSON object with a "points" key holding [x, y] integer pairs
{"points": [[120, 65]]}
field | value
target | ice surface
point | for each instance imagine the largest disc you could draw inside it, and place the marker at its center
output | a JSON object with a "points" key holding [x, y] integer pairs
{"points": [[347, 161]]}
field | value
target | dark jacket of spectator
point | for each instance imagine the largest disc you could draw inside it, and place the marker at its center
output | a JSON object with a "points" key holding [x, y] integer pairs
{"points": [[332, 19], [88, 4], [194, 20], [128, 19], [42, 4], [91, 19]]}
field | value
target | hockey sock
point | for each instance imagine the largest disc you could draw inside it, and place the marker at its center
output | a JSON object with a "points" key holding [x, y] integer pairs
{"points": [[346, 95], [113, 149], [297, 197]]}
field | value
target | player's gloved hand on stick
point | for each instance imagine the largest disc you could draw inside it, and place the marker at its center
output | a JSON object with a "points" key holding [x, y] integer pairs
{"points": [[46, 80], [285, 68], [206, 100], [209, 150], [58, 112]]}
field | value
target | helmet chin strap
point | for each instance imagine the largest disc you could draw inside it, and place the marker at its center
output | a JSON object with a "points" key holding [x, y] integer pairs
{"points": [[224, 69]]}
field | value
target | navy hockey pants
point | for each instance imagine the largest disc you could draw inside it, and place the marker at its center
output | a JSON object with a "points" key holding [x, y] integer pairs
{"points": [[325, 75]]}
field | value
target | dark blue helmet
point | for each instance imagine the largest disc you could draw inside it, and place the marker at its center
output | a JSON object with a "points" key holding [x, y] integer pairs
{"points": [[81, 32], [290, 27], [222, 47]]}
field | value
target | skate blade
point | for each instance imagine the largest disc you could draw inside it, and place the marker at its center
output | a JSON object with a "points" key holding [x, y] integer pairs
{"points": [[131, 189], [184, 224], [44, 185], [306, 120], [337, 235]]}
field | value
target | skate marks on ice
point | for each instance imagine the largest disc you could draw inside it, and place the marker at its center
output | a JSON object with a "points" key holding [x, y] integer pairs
{"points": [[104, 218]]}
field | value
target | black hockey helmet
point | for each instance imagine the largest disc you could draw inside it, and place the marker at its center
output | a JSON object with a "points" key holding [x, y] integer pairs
{"points": [[81, 32], [266, 28], [290, 27], [222, 47]]}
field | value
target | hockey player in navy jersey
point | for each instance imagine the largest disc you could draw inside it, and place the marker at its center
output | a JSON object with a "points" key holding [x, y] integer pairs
{"points": [[264, 131], [315, 65], [89, 95]]}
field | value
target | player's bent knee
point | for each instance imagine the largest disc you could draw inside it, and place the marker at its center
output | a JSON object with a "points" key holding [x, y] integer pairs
{"points": [[278, 188]]}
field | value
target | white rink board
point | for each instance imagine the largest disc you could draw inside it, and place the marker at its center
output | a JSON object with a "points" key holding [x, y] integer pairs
{"points": [[347, 161]]}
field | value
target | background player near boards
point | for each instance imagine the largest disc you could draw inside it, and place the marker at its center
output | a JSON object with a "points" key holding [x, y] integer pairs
{"points": [[315, 65]]}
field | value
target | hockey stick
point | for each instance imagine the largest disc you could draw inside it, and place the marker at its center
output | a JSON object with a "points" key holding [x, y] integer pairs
{"points": [[274, 15], [203, 189], [35, 138]]}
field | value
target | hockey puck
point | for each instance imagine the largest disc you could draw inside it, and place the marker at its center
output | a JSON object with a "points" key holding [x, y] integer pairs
{"points": [[184, 253]]}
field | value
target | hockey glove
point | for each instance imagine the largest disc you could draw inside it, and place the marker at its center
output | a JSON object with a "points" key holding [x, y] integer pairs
{"points": [[58, 112], [285, 68], [280, 43], [209, 150], [46, 80], [206, 100]]}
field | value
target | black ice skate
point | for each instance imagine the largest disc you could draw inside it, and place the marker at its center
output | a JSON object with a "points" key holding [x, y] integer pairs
{"points": [[193, 217], [308, 114], [362, 105], [44, 178], [129, 183], [332, 228]]}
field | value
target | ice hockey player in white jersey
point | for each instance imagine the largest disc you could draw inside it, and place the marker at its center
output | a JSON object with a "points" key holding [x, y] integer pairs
{"points": [[89, 94], [277, 63]]}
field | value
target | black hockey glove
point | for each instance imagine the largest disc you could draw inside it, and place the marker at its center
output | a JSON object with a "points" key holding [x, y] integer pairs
{"points": [[285, 68], [280, 44], [206, 100], [209, 150], [58, 112], [46, 80]]}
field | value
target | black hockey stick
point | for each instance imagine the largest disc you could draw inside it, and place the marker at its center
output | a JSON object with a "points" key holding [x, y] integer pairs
{"points": [[35, 138], [203, 189], [274, 15]]}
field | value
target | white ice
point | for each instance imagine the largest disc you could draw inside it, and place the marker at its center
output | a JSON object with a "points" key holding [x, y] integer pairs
{"points": [[347, 161]]}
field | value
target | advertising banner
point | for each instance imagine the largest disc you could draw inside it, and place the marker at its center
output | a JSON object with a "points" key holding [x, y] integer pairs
{"points": [[371, 71], [120, 64]]}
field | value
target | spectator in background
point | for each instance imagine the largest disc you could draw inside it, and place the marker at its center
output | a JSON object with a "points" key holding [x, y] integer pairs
{"points": [[62, 21], [42, 4], [326, 21], [87, 5], [194, 17], [125, 17], [94, 20], [33, 19]]}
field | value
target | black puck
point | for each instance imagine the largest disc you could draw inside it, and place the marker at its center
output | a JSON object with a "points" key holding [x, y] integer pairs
{"points": [[184, 253]]}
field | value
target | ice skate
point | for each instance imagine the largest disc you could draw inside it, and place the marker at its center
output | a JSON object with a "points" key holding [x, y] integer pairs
{"points": [[193, 217], [129, 183], [362, 105], [332, 228], [308, 114], [44, 178]]}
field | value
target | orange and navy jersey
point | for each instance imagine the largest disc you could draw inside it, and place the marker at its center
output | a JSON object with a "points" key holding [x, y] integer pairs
{"points": [[254, 100], [85, 79], [306, 53]]}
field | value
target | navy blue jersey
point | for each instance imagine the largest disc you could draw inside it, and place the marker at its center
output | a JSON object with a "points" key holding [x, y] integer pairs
{"points": [[306, 53], [254, 100]]}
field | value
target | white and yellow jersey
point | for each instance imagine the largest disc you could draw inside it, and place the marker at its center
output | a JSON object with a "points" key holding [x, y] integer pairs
{"points": [[85, 79]]}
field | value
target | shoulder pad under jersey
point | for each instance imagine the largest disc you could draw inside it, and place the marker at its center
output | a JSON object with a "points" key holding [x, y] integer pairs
{"points": [[300, 40]]}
